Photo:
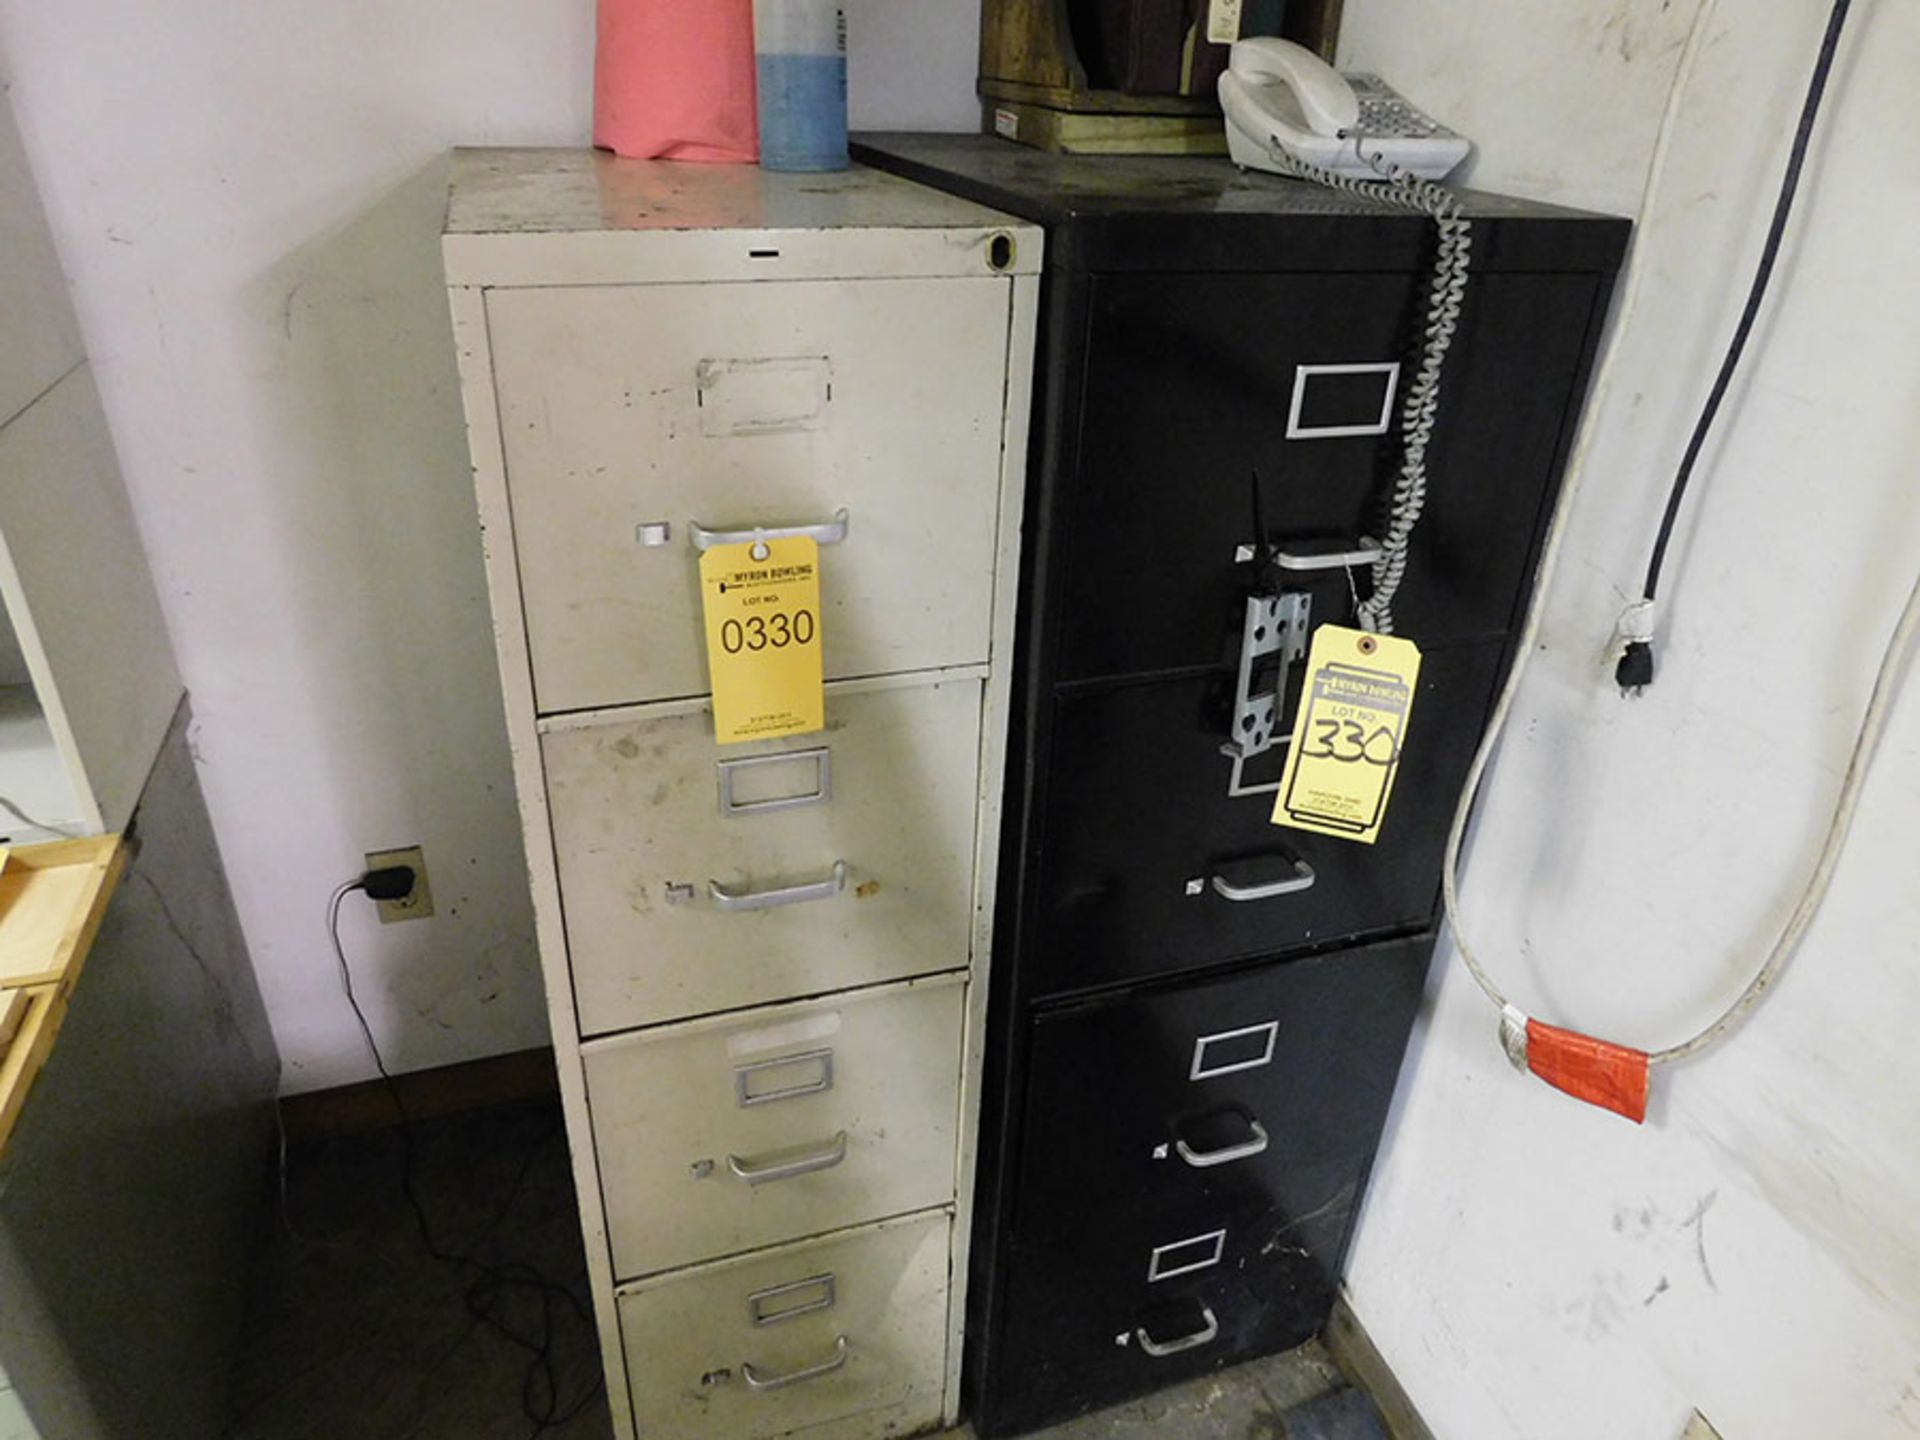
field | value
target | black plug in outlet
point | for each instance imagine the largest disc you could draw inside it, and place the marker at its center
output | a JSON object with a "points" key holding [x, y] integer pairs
{"points": [[385, 883]]}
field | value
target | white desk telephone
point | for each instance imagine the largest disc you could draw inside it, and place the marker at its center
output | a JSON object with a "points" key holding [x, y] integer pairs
{"points": [[1277, 93]]}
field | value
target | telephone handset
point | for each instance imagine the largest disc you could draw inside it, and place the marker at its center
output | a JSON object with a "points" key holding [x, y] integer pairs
{"points": [[1279, 94]]}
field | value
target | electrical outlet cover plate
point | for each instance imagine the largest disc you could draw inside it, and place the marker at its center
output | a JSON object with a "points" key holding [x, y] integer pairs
{"points": [[418, 904]]}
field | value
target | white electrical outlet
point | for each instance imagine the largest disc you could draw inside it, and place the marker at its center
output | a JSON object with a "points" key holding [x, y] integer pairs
{"points": [[1700, 1428]]}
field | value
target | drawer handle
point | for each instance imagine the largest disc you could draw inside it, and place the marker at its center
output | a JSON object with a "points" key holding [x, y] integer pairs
{"points": [[757, 1381], [789, 895], [1226, 1155], [1364, 552], [787, 1164], [824, 532], [822, 791], [1300, 878], [1203, 1336]]}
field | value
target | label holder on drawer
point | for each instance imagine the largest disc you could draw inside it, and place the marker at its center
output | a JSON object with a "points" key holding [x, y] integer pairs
{"points": [[1235, 1057], [1302, 427], [744, 1077], [783, 1302], [1183, 1257], [732, 807]]}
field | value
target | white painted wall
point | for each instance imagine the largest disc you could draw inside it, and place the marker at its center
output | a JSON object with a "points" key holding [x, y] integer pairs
{"points": [[246, 200], [1530, 1267]]}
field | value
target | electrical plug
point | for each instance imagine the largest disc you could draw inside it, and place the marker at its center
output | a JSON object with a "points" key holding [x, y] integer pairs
{"points": [[390, 882], [1634, 670]]}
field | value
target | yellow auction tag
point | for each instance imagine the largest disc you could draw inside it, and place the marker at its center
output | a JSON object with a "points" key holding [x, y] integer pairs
{"points": [[763, 638], [1348, 733]]}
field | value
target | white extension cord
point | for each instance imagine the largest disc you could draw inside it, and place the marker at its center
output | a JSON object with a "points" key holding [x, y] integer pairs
{"points": [[1885, 687]]}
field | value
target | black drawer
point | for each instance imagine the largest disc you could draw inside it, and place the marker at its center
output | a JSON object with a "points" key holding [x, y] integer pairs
{"points": [[1191, 1164], [1139, 823], [1190, 386]]}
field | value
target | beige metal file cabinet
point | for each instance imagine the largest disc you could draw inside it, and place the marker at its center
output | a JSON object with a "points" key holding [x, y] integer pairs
{"points": [[766, 961]]}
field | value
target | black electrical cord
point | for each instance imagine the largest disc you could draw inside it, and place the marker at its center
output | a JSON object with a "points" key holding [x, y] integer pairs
{"points": [[540, 1386], [1634, 670]]}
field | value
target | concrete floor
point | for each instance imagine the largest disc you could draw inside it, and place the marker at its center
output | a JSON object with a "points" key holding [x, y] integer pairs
{"points": [[355, 1333]]}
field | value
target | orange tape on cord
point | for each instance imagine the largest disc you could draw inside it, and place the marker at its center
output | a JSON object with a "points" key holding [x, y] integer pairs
{"points": [[1596, 1071]]}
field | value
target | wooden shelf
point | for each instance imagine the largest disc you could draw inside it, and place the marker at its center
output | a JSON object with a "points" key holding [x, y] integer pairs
{"points": [[52, 899]]}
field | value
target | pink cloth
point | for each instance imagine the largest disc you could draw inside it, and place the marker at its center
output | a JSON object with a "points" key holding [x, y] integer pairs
{"points": [[673, 80]]}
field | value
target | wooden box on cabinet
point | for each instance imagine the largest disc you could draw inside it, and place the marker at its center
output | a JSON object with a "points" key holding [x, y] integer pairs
{"points": [[772, 1106], [1123, 77]]}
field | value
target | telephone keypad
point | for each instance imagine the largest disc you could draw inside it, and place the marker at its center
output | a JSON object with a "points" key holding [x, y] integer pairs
{"points": [[1385, 115]]}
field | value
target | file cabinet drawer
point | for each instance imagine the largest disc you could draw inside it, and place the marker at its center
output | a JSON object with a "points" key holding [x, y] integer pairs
{"points": [[698, 878], [736, 405], [1200, 1291], [1199, 1153], [1150, 868], [1287, 374], [751, 1129], [843, 1336]]}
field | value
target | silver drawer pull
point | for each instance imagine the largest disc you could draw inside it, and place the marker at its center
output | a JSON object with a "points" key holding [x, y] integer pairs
{"points": [[821, 792], [1364, 552], [745, 1077], [790, 895], [1206, 1159], [757, 1381], [1203, 1336], [1300, 878], [786, 1164], [824, 532], [785, 1302]]}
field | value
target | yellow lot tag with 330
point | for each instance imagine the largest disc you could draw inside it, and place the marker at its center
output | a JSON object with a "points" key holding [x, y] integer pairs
{"points": [[763, 638], [1348, 733]]}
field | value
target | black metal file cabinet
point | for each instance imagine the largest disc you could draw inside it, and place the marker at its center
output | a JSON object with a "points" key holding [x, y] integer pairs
{"points": [[1197, 1019]]}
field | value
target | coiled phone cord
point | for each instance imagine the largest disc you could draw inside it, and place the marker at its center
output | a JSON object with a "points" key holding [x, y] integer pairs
{"points": [[1421, 405], [1873, 723]]}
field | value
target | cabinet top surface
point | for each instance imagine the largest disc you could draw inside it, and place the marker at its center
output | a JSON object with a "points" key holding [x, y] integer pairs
{"points": [[525, 192], [1181, 212]]}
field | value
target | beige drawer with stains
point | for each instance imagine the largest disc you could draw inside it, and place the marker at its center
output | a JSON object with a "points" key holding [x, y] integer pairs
{"points": [[844, 1336], [643, 421], [744, 1130], [696, 877]]}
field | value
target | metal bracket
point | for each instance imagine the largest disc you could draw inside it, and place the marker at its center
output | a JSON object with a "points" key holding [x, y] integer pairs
{"points": [[1275, 625]]}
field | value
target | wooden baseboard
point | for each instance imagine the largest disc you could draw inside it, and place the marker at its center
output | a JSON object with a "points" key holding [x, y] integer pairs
{"points": [[449, 1090], [1366, 1369]]}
